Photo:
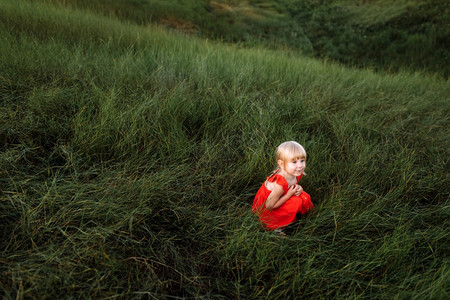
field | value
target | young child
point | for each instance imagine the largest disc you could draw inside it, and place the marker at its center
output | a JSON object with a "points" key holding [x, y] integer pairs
{"points": [[281, 198]]}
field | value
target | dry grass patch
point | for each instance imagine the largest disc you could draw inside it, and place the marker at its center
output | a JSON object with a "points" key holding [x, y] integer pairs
{"points": [[242, 8], [179, 25]]}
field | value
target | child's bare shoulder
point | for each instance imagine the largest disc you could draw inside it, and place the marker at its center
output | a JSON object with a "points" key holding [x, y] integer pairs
{"points": [[272, 185]]}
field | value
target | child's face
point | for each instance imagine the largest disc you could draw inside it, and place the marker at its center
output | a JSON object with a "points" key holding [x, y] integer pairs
{"points": [[295, 167]]}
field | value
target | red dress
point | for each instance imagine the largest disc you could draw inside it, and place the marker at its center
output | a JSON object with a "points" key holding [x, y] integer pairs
{"points": [[286, 213]]}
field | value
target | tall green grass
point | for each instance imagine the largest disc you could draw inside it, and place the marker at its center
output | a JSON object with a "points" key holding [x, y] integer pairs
{"points": [[387, 36], [129, 158], [384, 35]]}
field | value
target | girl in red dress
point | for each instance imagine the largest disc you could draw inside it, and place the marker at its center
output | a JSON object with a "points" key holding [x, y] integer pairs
{"points": [[281, 198]]}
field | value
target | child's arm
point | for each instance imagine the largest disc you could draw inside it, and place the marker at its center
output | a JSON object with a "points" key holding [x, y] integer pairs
{"points": [[275, 199]]}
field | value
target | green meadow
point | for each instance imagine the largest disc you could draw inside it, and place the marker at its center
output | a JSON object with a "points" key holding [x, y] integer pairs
{"points": [[130, 155]]}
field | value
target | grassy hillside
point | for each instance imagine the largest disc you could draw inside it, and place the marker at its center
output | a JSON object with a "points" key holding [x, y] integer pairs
{"points": [[382, 35], [129, 158]]}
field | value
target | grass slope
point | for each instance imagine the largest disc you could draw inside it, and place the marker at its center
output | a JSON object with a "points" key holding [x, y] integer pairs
{"points": [[129, 158], [378, 34], [384, 35]]}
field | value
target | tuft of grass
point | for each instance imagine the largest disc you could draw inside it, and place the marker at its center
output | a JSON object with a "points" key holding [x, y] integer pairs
{"points": [[129, 158]]}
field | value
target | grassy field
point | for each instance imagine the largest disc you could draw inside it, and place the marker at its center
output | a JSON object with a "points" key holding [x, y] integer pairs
{"points": [[129, 158]]}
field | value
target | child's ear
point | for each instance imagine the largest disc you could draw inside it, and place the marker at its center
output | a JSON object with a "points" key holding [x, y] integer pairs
{"points": [[280, 164]]}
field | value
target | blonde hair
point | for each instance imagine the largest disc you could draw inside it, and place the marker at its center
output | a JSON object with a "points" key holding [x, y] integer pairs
{"points": [[289, 151]]}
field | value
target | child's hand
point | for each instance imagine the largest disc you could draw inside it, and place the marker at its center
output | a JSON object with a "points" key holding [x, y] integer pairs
{"points": [[295, 189], [291, 191], [298, 190]]}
